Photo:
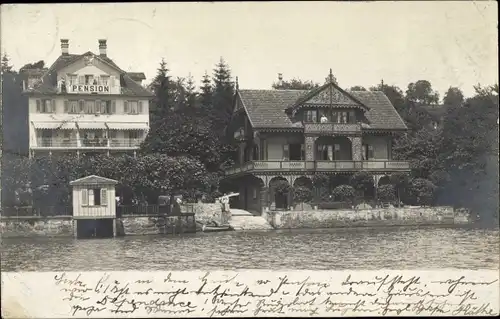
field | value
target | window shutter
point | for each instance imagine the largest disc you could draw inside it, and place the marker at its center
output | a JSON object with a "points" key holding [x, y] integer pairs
{"points": [[38, 106], [85, 198], [104, 197], [81, 80], [126, 107], [66, 106], [330, 153], [113, 107], [81, 105], [302, 152], [140, 107]]}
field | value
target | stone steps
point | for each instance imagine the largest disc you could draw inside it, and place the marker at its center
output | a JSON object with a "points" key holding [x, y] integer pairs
{"points": [[249, 223]]}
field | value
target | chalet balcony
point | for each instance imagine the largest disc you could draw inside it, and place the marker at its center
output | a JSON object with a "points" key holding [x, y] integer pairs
{"points": [[325, 128], [319, 166], [83, 143]]}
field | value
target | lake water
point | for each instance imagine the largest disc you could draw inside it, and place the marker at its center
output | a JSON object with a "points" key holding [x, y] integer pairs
{"points": [[330, 249]]}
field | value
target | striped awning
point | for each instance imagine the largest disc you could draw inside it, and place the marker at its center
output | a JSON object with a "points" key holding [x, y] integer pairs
{"points": [[92, 125], [127, 126], [54, 125]]}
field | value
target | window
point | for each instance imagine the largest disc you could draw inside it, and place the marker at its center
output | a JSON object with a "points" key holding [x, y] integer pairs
{"points": [[343, 117], [352, 117], [133, 135], [104, 80], [312, 116], [89, 80], [90, 107], [367, 152], [112, 134], [45, 106], [336, 152], [335, 117], [94, 197], [286, 152], [71, 107], [72, 79]]}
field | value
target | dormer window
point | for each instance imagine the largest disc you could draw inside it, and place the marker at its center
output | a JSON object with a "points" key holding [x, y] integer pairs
{"points": [[104, 80], [89, 79]]}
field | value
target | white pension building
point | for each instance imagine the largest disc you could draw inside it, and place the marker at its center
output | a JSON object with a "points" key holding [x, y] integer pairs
{"points": [[86, 103]]}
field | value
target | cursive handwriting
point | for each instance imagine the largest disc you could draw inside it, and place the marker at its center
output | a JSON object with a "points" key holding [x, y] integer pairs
{"points": [[236, 295]]}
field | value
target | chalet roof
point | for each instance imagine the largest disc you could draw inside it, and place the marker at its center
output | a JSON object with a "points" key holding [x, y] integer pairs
{"points": [[49, 80], [266, 108], [93, 180], [137, 75]]}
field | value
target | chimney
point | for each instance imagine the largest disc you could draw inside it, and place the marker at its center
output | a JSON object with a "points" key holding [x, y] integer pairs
{"points": [[64, 46], [280, 77], [102, 47]]}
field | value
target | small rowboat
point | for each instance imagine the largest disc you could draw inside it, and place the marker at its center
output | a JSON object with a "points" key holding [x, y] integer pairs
{"points": [[208, 229]]}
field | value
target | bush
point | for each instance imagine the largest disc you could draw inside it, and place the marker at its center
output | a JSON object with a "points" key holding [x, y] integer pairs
{"points": [[282, 187], [344, 193], [362, 182], [386, 193], [422, 191], [302, 194]]}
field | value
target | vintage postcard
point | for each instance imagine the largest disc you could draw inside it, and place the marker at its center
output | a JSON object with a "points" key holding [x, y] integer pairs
{"points": [[249, 159]]}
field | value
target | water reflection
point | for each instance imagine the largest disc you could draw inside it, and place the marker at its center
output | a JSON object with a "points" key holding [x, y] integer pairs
{"points": [[360, 248]]}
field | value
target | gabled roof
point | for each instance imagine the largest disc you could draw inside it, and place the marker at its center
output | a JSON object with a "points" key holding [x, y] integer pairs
{"points": [[93, 180], [329, 93], [48, 83], [137, 76], [267, 108]]}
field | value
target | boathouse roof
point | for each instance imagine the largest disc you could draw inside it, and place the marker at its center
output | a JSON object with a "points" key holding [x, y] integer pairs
{"points": [[93, 180]]}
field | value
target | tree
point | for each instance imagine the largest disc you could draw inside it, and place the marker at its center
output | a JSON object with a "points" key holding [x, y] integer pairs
{"points": [[345, 193], [206, 92], [164, 94], [453, 97], [400, 182], [295, 84], [191, 95], [421, 93], [223, 95], [422, 149], [357, 88], [422, 191], [362, 182], [190, 132], [5, 66]]}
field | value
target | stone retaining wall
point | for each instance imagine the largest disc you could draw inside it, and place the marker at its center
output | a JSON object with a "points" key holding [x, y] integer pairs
{"points": [[47, 227], [155, 225], [374, 217]]}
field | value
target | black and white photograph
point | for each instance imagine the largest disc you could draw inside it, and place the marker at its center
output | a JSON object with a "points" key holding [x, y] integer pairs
{"points": [[249, 159]]}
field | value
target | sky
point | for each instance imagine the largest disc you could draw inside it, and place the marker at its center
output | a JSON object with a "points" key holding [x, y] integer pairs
{"points": [[447, 43]]}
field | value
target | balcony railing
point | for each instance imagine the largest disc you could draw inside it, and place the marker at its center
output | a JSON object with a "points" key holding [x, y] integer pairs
{"points": [[88, 143], [332, 128], [374, 165]]}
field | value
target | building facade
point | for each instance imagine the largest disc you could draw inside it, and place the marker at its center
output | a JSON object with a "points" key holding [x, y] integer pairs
{"points": [[292, 135], [86, 103]]}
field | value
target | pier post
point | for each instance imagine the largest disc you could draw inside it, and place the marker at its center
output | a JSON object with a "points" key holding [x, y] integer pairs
{"points": [[75, 228], [114, 227]]}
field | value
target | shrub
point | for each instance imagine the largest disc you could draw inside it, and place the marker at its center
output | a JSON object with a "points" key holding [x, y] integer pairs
{"points": [[344, 193], [282, 187], [386, 192], [302, 194]]}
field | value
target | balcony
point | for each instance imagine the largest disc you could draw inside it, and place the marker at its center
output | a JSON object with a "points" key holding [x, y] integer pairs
{"points": [[325, 128], [319, 166], [82, 143]]}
